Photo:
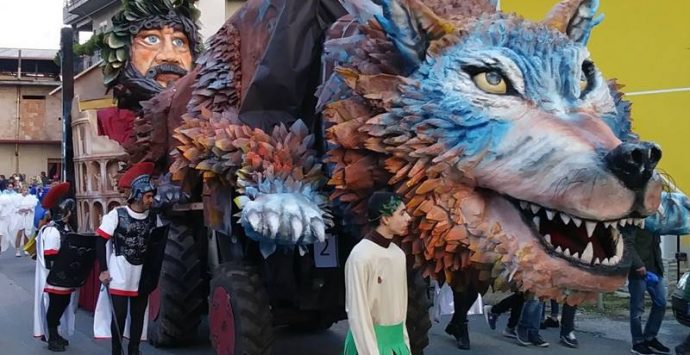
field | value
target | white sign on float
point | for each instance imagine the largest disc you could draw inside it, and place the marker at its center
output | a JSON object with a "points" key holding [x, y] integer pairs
{"points": [[326, 252]]}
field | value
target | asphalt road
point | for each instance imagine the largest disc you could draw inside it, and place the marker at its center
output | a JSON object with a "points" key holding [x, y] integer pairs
{"points": [[596, 335]]}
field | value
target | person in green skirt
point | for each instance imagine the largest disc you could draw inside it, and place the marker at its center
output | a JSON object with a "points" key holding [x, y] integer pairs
{"points": [[376, 282]]}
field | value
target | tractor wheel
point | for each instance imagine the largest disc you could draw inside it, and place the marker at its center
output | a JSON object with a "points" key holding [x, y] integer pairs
{"points": [[240, 319], [175, 307], [418, 303]]}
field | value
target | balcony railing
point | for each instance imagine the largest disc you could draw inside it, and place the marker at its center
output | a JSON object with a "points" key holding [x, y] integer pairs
{"points": [[74, 10]]}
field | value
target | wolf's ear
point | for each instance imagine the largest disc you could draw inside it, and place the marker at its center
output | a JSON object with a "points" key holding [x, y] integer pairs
{"points": [[575, 18], [412, 27]]}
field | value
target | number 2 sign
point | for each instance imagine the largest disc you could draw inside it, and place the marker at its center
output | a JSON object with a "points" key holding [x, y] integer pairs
{"points": [[326, 252]]}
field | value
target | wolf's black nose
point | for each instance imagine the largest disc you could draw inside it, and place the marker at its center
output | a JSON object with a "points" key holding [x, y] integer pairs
{"points": [[633, 163]]}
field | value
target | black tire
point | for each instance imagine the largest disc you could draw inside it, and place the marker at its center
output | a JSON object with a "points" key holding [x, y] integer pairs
{"points": [[418, 303], [240, 319], [179, 291]]}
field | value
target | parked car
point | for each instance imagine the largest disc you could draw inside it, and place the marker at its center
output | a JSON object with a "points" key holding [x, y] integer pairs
{"points": [[679, 303]]}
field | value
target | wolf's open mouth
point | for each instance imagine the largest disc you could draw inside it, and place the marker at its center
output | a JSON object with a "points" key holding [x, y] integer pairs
{"points": [[586, 242]]}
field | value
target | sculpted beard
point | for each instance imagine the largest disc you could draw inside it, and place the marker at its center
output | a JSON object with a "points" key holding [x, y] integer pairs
{"points": [[134, 84]]}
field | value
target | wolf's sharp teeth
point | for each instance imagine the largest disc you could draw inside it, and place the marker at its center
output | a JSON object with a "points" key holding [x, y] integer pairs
{"points": [[607, 224], [548, 238], [590, 226], [631, 221], [619, 248], [565, 218], [635, 221], [615, 259], [536, 222], [577, 221], [523, 205], [597, 261], [534, 208], [642, 224], [566, 252], [606, 262], [622, 222], [550, 214], [559, 250], [588, 253]]}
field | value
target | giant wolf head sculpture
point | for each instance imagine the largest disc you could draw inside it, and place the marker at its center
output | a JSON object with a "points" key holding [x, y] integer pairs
{"points": [[513, 151]]}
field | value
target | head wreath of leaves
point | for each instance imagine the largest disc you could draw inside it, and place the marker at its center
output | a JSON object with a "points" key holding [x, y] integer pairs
{"points": [[146, 14], [389, 207]]}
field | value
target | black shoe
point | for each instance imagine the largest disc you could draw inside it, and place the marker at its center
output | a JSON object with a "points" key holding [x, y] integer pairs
{"points": [[657, 347], [56, 346], [510, 333], [62, 340], [133, 350], [522, 338], [538, 341], [641, 349], [569, 340], [463, 340], [453, 330]]}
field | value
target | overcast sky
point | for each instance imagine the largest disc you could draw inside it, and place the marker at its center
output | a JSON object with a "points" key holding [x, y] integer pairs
{"points": [[30, 23]]}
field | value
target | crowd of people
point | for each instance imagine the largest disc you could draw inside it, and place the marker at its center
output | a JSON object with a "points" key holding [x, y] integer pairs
{"points": [[20, 210]]}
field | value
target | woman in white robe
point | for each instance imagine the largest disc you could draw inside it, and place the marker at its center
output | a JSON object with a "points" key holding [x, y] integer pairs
{"points": [[26, 205]]}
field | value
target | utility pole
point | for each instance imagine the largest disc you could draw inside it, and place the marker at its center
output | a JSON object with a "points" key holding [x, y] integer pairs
{"points": [[67, 64]]}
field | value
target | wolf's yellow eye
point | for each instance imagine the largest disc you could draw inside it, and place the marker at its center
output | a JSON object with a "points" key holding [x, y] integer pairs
{"points": [[491, 82], [583, 82]]}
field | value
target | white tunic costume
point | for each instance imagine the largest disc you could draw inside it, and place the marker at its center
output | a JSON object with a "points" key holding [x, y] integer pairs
{"points": [[376, 294], [47, 244], [124, 277], [25, 214], [8, 220]]}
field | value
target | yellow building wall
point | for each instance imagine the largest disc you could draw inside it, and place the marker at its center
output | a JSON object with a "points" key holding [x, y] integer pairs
{"points": [[646, 46]]}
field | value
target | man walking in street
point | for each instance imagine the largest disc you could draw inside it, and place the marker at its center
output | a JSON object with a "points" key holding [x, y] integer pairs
{"points": [[646, 274], [513, 303], [530, 319]]}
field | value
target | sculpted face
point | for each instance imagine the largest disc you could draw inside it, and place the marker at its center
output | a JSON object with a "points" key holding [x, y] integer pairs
{"points": [[161, 54]]}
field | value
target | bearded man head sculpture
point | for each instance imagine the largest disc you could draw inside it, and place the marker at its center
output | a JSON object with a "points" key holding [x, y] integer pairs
{"points": [[151, 44]]}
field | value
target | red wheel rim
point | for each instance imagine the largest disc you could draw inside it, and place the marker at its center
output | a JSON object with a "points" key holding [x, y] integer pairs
{"points": [[154, 304], [222, 323]]}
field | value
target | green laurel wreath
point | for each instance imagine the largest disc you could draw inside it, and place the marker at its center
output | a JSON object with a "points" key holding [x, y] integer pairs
{"points": [[389, 207], [138, 14]]}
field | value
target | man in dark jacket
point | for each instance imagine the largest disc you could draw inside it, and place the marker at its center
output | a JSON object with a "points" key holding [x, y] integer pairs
{"points": [[646, 273]]}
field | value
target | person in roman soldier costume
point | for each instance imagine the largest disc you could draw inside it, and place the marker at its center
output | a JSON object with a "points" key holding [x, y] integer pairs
{"points": [[63, 260], [130, 255]]}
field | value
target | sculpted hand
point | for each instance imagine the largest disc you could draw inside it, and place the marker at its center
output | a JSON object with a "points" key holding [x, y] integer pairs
{"points": [[288, 217], [104, 277], [168, 193]]}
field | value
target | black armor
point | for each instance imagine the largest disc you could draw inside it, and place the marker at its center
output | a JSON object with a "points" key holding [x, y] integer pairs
{"points": [[74, 260], [131, 237]]}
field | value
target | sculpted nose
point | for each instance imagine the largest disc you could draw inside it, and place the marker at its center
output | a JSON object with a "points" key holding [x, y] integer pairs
{"points": [[633, 163]]}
